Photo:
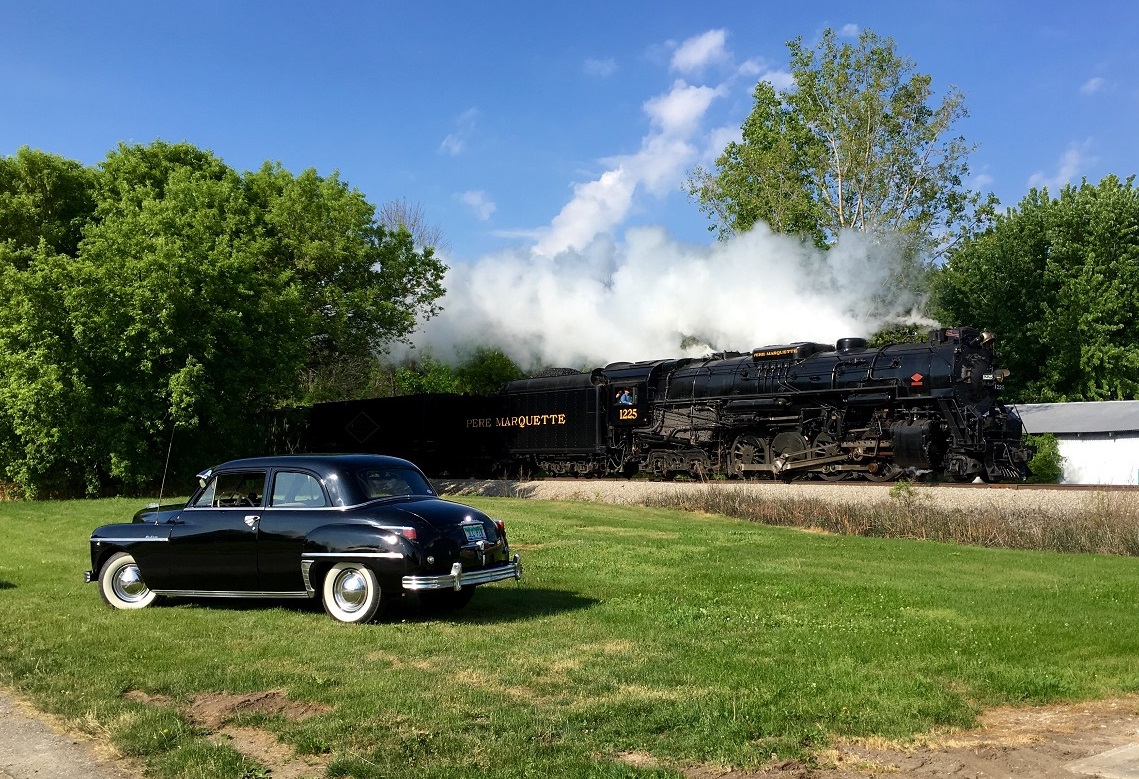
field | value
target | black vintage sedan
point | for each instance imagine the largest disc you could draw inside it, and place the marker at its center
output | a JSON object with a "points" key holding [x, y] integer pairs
{"points": [[354, 529]]}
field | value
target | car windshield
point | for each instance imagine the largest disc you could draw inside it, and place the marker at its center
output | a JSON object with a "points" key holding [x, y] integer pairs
{"points": [[392, 482]]}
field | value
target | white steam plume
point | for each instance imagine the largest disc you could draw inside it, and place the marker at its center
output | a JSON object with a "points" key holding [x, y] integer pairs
{"points": [[640, 300], [577, 298]]}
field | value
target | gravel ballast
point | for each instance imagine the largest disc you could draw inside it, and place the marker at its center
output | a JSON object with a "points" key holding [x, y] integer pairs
{"points": [[1045, 501]]}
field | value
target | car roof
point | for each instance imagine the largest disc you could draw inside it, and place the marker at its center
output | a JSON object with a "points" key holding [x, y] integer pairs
{"points": [[318, 462]]}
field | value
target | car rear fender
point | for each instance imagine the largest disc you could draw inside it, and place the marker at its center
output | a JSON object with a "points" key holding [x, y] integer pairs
{"points": [[382, 549]]}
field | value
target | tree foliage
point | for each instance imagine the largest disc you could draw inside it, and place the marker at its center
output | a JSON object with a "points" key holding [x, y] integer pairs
{"points": [[856, 143], [166, 294], [899, 333], [43, 197], [1047, 465], [1058, 280], [480, 373]]}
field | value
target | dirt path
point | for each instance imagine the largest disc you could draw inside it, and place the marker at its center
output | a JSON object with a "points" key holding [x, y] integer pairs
{"points": [[1065, 741], [35, 746], [1096, 738], [1069, 741]]}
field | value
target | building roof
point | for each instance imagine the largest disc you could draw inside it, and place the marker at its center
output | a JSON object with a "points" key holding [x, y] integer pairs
{"points": [[1108, 416]]}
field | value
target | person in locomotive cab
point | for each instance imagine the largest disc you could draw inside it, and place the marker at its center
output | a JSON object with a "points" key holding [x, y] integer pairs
{"points": [[624, 397]]}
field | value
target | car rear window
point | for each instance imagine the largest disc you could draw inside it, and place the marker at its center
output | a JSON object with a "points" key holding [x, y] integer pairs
{"points": [[392, 482]]}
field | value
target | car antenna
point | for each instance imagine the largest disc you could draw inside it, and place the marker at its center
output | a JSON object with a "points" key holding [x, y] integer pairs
{"points": [[165, 468]]}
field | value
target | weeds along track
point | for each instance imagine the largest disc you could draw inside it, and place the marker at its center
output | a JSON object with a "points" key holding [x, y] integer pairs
{"points": [[1021, 517]]}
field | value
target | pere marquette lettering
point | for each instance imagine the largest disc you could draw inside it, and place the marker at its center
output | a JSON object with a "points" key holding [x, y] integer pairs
{"points": [[767, 354], [528, 421]]}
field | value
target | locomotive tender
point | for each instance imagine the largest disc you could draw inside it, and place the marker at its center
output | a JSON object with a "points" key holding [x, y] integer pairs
{"points": [[831, 411]]}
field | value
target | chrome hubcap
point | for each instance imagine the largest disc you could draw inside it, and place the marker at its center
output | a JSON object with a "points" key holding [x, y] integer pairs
{"points": [[128, 584], [350, 590]]}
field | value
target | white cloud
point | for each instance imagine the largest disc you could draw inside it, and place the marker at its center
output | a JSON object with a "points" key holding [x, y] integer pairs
{"points": [[452, 145], [780, 79], [849, 31], [1071, 162], [478, 202], [1091, 86], [455, 142], [981, 181], [750, 68], [700, 51], [601, 67], [718, 139], [679, 111]]}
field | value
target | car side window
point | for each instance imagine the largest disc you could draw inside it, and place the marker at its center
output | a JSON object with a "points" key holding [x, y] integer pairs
{"points": [[240, 489], [297, 490]]}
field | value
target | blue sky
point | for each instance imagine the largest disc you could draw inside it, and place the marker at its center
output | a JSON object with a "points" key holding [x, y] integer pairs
{"points": [[525, 128], [493, 115]]}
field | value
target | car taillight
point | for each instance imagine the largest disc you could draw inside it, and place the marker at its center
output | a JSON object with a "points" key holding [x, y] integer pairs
{"points": [[408, 533], [500, 526]]}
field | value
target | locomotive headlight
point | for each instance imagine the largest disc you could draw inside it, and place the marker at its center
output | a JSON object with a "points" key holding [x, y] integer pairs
{"points": [[997, 376]]}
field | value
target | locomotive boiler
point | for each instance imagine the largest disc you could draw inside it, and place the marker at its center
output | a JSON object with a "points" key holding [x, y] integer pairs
{"points": [[799, 410]]}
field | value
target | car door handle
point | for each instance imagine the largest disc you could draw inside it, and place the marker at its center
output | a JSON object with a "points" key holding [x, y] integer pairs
{"points": [[252, 519]]}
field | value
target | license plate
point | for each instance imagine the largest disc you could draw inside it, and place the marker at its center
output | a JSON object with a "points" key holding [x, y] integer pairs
{"points": [[475, 532]]}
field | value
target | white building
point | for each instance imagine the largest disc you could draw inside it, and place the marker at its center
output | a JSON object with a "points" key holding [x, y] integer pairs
{"points": [[1098, 441]]}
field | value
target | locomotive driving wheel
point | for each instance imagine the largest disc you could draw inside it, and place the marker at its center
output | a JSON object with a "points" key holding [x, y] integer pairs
{"points": [[747, 450], [787, 446], [827, 446]]}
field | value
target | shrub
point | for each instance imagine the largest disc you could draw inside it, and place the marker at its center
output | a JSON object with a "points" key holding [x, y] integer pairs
{"points": [[1047, 466]]}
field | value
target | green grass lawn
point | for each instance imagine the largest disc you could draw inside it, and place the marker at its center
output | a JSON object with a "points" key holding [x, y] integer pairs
{"points": [[695, 639]]}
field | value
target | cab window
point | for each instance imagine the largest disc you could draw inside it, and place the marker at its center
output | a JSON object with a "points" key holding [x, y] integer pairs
{"points": [[292, 489], [240, 489]]}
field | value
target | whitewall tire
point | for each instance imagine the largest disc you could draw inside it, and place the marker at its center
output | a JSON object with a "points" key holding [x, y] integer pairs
{"points": [[121, 584], [351, 593]]}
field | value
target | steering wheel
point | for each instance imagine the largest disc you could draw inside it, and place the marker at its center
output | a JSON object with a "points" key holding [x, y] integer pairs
{"points": [[235, 499]]}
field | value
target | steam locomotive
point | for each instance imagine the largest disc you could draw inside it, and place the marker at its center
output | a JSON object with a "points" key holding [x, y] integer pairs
{"points": [[800, 410]]}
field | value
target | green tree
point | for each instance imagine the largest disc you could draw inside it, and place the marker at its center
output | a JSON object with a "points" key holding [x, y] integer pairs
{"points": [[1057, 279], [195, 299], [899, 333], [365, 285], [1047, 465], [483, 372], [426, 375], [179, 319], [856, 143], [43, 197], [479, 373]]}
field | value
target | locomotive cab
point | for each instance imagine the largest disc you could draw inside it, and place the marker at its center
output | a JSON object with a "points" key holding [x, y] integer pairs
{"points": [[626, 405]]}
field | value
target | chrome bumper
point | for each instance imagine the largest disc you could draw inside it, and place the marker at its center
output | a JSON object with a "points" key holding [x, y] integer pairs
{"points": [[458, 578]]}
